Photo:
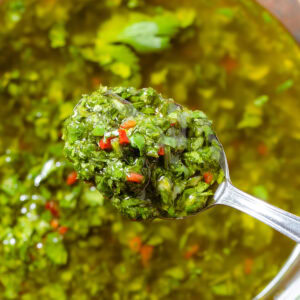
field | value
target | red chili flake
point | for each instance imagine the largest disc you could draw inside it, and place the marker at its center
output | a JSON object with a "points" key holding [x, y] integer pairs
{"points": [[32, 257], [128, 124], [161, 151], [248, 266], [159, 88], [135, 244], [105, 144], [22, 144], [54, 223], [52, 207], [229, 63], [146, 254], [191, 251], [63, 230], [135, 177], [237, 144], [123, 138], [262, 149], [96, 81], [208, 177], [72, 178]]}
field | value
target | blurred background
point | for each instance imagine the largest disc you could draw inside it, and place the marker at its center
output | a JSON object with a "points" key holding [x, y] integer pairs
{"points": [[287, 11], [59, 239]]}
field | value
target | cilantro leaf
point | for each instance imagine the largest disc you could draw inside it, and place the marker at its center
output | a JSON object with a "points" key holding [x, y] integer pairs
{"points": [[55, 249], [150, 36], [260, 101], [137, 140], [117, 58]]}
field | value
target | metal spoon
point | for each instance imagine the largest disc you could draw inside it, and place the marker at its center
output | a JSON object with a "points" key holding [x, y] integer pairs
{"points": [[227, 194]]}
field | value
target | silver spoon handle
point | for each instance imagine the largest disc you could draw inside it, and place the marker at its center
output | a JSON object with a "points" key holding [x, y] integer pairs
{"points": [[283, 221]]}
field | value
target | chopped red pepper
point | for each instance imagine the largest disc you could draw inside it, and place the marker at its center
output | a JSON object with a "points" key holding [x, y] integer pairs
{"points": [[191, 251], [135, 177], [208, 177], [248, 266], [262, 149], [96, 81], [229, 63], [54, 223], [63, 230], [161, 151], [146, 254], [105, 144], [135, 244], [72, 178], [52, 207], [123, 138], [128, 124]]}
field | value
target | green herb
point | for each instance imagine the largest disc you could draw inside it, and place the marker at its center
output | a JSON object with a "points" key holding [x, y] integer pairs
{"points": [[285, 86], [155, 187], [226, 11], [261, 192], [137, 140], [260, 101], [55, 249], [98, 130], [149, 36]]}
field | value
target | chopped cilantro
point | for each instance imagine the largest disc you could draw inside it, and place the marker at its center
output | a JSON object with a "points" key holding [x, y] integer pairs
{"points": [[144, 184]]}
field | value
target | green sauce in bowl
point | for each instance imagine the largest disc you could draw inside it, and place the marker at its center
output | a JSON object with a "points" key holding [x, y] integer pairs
{"points": [[60, 238]]}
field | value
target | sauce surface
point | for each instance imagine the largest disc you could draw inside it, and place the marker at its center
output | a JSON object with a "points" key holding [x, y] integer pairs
{"points": [[231, 59]]}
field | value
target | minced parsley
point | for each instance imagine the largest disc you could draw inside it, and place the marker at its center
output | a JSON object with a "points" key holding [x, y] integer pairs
{"points": [[150, 156], [59, 237]]}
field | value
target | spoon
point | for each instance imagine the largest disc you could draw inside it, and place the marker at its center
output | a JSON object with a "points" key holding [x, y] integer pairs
{"points": [[227, 194]]}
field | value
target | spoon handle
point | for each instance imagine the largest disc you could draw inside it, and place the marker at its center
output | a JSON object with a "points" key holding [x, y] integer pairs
{"points": [[283, 221]]}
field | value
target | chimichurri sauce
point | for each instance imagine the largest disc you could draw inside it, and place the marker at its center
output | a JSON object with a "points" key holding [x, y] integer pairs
{"points": [[61, 238], [151, 157]]}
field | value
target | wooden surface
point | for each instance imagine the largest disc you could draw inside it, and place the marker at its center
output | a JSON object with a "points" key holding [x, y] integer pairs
{"points": [[287, 11]]}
